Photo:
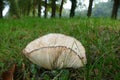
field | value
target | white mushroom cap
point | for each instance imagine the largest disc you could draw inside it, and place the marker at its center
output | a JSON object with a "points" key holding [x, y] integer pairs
{"points": [[54, 50]]}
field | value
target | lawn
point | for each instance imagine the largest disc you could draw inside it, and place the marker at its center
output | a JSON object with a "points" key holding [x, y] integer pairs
{"points": [[99, 36]]}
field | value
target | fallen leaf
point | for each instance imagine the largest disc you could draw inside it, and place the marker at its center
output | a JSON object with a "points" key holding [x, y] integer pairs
{"points": [[8, 75]]}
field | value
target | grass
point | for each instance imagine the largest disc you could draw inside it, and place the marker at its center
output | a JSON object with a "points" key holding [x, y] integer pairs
{"points": [[100, 37]]}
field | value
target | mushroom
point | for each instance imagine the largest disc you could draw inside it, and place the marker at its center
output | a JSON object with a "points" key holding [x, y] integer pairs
{"points": [[56, 51]]}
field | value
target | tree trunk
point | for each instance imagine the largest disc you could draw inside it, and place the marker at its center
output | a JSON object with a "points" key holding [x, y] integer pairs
{"points": [[14, 11], [34, 4], [53, 8], [28, 9], [115, 9], [73, 6], [1, 8], [90, 8], [45, 12], [39, 8], [61, 7]]}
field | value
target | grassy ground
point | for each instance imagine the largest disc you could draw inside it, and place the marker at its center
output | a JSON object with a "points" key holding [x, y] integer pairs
{"points": [[100, 37]]}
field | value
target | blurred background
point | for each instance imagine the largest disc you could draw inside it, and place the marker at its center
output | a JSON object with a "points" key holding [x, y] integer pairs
{"points": [[96, 23], [60, 8]]}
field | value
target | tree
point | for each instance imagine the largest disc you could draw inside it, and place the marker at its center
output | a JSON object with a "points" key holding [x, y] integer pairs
{"points": [[28, 7], [39, 8], [61, 7], [1, 8], [90, 8], [73, 6], [99, 11], [45, 12], [34, 6], [53, 5], [24, 7], [14, 12], [115, 9]]}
